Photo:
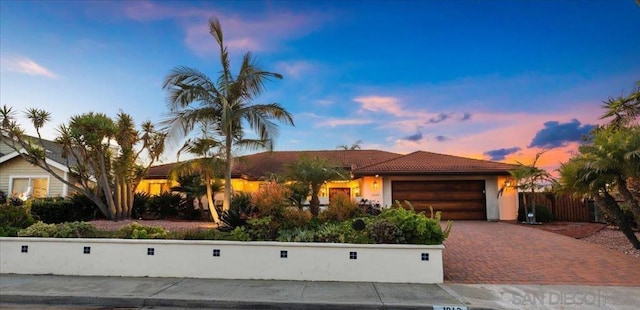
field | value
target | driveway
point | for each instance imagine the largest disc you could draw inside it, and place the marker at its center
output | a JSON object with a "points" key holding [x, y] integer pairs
{"points": [[499, 253]]}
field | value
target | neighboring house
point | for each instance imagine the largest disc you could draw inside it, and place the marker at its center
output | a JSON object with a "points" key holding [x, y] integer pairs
{"points": [[462, 188], [21, 179]]}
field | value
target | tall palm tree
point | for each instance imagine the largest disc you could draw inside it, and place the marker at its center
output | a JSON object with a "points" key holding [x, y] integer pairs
{"points": [[225, 103]]}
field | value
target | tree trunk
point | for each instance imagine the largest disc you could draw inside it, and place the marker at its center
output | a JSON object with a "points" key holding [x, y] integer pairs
{"points": [[227, 175], [609, 205], [131, 196], [525, 208], [212, 207], [623, 188], [314, 204]]}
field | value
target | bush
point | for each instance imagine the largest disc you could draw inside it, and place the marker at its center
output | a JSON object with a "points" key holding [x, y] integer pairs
{"points": [[137, 231], [39, 229], [63, 230], [385, 231], [53, 211], [341, 208], [139, 202], [342, 233], [199, 234], [240, 210], [295, 218], [13, 218], [84, 209], [543, 214], [416, 228], [272, 199], [297, 235], [164, 205], [76, 230]]}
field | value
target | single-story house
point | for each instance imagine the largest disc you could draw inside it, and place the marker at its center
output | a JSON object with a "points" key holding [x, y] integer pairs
{"points": [[21, 179], [462, 188]]}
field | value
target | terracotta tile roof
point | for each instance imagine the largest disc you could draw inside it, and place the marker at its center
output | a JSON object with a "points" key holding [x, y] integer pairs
{"points": [[259, 165], [159, 171], [361, 162], [426, 163]]}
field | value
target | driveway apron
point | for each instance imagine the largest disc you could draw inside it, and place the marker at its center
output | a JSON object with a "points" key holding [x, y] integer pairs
{"points": [[500, 253]]}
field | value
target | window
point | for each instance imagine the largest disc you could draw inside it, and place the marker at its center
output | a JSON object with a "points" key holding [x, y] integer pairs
{"points": [[28, 187]]}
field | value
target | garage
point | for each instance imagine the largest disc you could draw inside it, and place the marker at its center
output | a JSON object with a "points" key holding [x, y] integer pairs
{"points": [[457, 199]]}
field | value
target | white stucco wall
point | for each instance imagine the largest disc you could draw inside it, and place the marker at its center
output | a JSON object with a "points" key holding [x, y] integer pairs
{"points": [[497, 208], [237, 260]]}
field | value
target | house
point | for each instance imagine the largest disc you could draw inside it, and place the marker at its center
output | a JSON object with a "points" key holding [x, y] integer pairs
{"points": [[462, 188], [21, 179]]}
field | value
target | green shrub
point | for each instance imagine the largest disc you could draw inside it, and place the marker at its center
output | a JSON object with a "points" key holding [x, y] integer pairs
{"points": [[164, 205], [137, 231], [263, 229], [342, 233], [384, 231], [240, 210], [53, 211], [39, 229], [199, 234], [62, 230], [84, 209], [140, 200], [543, 214], [416, 227], [13, 218], [297, 235], [341, 208], [76, 230], [240, 233]]}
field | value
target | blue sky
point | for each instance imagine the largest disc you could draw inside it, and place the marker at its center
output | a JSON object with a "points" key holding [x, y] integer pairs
{"points": [[496, 80]]}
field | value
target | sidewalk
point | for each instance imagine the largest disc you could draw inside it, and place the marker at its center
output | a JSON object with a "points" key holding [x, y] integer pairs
{"points": [[258, 294], [212, 293]]}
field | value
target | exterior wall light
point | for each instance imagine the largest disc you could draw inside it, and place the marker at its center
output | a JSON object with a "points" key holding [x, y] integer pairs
{"points": [[375, 184]]}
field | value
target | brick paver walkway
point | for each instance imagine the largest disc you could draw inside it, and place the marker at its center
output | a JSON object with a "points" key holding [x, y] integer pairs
{"points": [[499, 253]]}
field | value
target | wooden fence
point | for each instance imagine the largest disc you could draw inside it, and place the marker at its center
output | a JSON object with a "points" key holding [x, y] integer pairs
{"points": [[564, 207]]}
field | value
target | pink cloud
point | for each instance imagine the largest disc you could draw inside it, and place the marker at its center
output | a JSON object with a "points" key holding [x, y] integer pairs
{"points": [[241, 34], [25, 65], [389, 105]]}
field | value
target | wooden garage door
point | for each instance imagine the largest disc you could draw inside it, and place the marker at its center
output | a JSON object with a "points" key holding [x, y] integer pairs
{"points": [[458, 200]]}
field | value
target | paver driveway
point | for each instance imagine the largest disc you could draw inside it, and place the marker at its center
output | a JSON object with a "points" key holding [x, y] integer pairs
{"points": [[490, 252]]}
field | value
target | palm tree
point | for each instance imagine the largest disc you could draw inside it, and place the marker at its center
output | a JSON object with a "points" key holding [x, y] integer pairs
{"points": [[225, 104], [312, 173], [624, 110], [528, 178], [208, 165], [355, 146], [578, 177]]}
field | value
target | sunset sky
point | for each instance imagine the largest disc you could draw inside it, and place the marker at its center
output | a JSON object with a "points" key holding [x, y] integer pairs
{"points": [[496, 80]]}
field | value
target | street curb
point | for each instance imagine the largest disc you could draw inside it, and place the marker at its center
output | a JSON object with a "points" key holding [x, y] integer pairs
{"points": [[124, 302]]}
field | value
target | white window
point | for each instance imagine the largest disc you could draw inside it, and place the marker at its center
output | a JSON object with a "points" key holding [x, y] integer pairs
{"points": [[28, 187]]}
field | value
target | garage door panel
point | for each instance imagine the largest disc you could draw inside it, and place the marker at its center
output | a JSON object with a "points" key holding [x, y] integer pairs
{"points": [[444, 196], [465, 215], [448, 206], [409, 186], [456, 199]]}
